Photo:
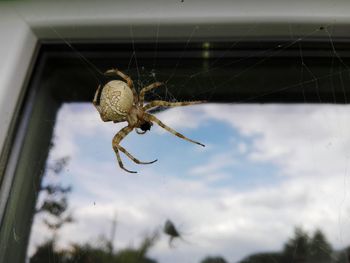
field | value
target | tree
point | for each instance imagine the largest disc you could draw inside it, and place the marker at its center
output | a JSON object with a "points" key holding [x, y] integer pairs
{"points": [[300, 249], [216, 259], [55, 203], [274, 257], [102, 254], [297, 249], [138, 255], [343, 256], [320, 250], [46, 253], [90, 254]]}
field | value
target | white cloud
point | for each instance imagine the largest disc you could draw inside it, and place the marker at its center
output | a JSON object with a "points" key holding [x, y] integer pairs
{"points": [[182, 118], [214, 165], [242, 148], [297, 137], [79, 120]]}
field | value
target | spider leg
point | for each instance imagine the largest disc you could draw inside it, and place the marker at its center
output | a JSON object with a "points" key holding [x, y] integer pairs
{"points": [[97, 94], [156, 103], [116, 147], [146, 89], [96, 102], [152, 118], [125, 78], [121, 163]]}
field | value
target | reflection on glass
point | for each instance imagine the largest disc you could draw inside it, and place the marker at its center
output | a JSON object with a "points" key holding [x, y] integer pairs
{"points": [[271, 185]]}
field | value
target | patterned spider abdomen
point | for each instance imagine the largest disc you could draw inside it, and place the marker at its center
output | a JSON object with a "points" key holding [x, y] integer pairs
{"points": [[116, 100]]}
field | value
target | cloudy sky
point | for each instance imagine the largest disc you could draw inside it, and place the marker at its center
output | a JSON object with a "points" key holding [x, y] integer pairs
{"points": [[265, 170]]}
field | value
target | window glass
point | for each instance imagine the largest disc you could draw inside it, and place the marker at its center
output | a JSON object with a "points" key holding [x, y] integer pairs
{"points": [[272, 182]]}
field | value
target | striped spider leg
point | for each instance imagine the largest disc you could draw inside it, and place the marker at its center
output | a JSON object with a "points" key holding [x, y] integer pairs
{"points": [[116, 147]]}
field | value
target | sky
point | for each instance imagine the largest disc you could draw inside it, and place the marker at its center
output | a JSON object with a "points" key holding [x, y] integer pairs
{"points": [[266, 169]]}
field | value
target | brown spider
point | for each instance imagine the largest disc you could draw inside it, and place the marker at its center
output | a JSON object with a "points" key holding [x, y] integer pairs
{"points": [[118, 101]]}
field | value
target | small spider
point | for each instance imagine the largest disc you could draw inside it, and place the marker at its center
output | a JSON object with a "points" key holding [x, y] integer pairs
{"points": [[118, 101], [170, 230]]}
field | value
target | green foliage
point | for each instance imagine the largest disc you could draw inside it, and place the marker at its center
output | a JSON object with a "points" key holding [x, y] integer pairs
{"points": [[216, 259], [298, 249], [132, 256], [302, 248], [55, 203], [89, 254], [54, 207], [343, 256], [46, 253], [320, 250], [58, 166], [263, 258]]}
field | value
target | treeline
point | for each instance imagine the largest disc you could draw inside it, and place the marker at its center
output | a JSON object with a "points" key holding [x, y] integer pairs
{"points": [[94, 254], [303, 248]]}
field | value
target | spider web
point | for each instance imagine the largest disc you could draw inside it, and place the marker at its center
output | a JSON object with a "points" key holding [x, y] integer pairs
{"points": [[147, 75]]}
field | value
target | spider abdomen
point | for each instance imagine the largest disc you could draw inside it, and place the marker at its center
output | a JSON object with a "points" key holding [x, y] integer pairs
{"points": [[116, 101]]}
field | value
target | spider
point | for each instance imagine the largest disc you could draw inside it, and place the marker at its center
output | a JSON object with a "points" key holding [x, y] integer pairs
{"points": [[170, 229], [118, 101]]}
